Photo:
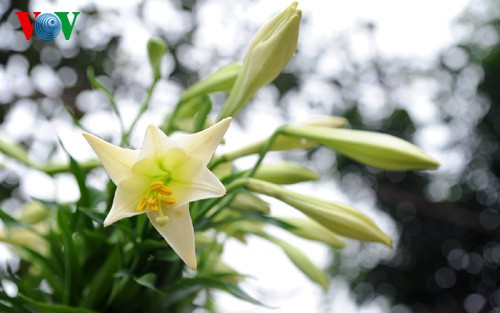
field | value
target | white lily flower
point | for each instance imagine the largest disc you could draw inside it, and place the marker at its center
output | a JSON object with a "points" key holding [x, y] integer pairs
{"points": [[161, 178]]}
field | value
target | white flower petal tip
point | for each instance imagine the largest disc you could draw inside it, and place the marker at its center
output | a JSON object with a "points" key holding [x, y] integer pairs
{"points": [[116, 160], [202, 145], [176, 228]]}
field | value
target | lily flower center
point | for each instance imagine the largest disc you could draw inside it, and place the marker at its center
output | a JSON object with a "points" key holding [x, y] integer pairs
{"points": [[155, 198]]}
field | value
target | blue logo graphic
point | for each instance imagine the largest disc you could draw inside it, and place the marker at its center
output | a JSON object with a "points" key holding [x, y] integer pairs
{"points": [[47, 26]]}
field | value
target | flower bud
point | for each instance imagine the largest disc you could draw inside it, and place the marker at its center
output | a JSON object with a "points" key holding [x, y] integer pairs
{"points": [[370, 148], [338, 218], [285, 173], [306, 228], [269, 52], [156, 50], [283, 142], [302, 261], [246, 201]]}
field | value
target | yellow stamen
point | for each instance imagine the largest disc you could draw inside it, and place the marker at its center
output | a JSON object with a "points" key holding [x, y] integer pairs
{"points": [[142, 205], [168, 200], [159, 187], [153, 204]]}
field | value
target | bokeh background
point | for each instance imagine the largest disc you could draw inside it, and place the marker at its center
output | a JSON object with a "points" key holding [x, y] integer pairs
{"points": [[426, 71]]}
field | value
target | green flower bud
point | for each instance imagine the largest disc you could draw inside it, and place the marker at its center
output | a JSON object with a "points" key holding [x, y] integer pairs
{"points": [[222, 80], [303, 263], [156, 50], [269, 52], [306, 228], [284, 142], [338, 218], [285, 173], [370, 148], [246, 201], [33, 213]]}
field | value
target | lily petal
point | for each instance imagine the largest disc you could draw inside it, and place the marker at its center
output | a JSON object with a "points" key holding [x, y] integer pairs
{"points": [[202, 145], [178, 232], [117, 161], [194, 181], [156, 143], [127, 196], [174, 158]]}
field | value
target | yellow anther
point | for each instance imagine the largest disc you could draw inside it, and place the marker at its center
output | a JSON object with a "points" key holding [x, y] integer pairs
{"points": [[159, 187], [168, 200], [142, 205], [153, 204]]}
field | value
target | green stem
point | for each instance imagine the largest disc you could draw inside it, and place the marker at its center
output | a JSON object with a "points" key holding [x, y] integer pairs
{"points": [[232, 190], [142, 109], [262, 147], [263, 152]]}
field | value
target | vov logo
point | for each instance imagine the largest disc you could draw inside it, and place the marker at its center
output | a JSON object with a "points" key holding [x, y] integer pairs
{"points": [[47, 26]]}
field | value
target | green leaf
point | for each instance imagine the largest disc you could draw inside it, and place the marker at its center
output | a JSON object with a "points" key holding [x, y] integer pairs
{"points": [[222, 80], [71, 264], [54, 308], [188, 287], [9, 220], [80, 177], [96, 291], [148, 281], [201, 116]]}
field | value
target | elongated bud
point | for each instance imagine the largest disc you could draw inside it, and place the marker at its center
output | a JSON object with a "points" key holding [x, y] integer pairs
{"points": [[309, 229], [221, 80], [303, 263], [246, 201], [269, 52], [370, 148], [338, 218], [284, 142], [33, 212], [285, 173], [156, 50]]}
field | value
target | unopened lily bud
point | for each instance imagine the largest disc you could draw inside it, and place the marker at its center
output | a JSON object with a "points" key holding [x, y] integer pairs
{"points": [[309, 229], [33, 212], [156, 50], [241, 228], [338, 218], [302, 262], [269, 52], [325, 121], [246, 201], [284, 142], [285, 173], [221, 80], [370, 148], [230, 274]]}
